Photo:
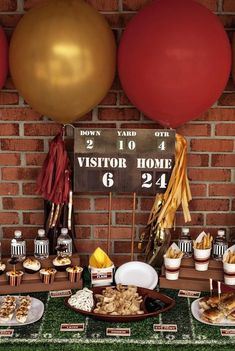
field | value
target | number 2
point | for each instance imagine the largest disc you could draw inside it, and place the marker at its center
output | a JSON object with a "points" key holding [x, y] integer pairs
{"points": [[89, 144]]}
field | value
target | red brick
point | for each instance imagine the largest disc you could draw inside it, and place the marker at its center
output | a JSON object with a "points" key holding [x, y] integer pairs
{"points": [[9, 21], [9, 129], [227, 99], [197, 219], [9, 159], [134, 5], [198, 190], [91, 218], [140, 125], [22, 203], [11, 173], [9, 188], [22, 144], [89, 246], [220, 219], [218, 114], [194, 130], [9, 218], [118, 20], [146, 204], [211, 145], [225, 129], [210, 4], [28, 4], [28, 232], [210, 175], [123, 100], [35, 218], [83, 232], [29, 188], [209, 205], [228, 6], [233, 205], [110, 99], [81, 204], [222, 190], [8, 98], [117, 204], [197, 160], [19, 114], [228, 21], [124, 247], [8, 5], [35, 159], [118, 260], [41, 129], [116, 232], [125, 218], [104, 5], [223, 160], [118, 114]]}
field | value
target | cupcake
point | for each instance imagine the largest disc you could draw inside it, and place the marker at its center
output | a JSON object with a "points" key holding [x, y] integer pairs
{"points": [[61, 263], [2, 268], [74, 273], [14, 277], [31, 265], [47, 275]]}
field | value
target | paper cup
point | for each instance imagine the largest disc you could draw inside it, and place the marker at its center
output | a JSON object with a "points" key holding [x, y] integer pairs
{"points": [[201, 259], [14, 279], [47, 277], [172, 267], [229, 273]]}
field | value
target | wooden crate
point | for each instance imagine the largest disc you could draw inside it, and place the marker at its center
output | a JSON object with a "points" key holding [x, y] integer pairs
{"points": [[32, 282], [190, 279]]}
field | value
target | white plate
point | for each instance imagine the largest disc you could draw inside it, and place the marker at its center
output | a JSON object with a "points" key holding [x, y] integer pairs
{"points": [[137, 273], [35, 313], [197, 315]]}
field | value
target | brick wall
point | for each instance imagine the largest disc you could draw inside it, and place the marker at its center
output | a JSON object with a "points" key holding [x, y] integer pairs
{"points": [[24, 137]]}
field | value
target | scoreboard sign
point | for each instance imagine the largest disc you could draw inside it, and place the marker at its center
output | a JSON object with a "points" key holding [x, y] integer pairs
{"points": [[117, 160]]}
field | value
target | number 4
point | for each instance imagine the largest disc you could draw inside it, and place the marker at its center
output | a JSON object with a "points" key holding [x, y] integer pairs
{"points": [[162, 146], [161, 182]]}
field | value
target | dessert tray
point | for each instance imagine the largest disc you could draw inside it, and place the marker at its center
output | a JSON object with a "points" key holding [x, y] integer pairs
{"points": [[195, 309], [35, 313], [166, 304]]}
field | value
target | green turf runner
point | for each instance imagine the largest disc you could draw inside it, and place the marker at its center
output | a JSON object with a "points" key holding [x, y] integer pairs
{"points": [[191, 335]]}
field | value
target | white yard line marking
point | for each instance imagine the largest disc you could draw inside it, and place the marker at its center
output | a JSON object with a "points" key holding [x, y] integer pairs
{"points": [[44, 316], [191, 319]]}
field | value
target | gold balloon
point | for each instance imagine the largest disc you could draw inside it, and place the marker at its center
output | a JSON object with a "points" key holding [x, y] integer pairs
{"points": [[62, 58]]}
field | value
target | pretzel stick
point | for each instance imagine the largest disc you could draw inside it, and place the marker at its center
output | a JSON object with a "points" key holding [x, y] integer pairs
{"points": [[133, 227], [109, 224]]}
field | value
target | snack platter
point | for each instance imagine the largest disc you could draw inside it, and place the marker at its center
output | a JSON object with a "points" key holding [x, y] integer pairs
{"points": [[35, 312], [167, 302], [32, 282], [214, 315]]}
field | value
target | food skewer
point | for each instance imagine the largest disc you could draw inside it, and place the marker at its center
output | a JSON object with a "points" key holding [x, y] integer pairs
{"points": [[109, 223], [219, 290], [133, 227], [211, 286]]}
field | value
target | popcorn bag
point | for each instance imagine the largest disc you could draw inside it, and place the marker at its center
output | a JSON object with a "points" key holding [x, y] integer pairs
{"points": [[101, 268], [229, 265], [172, 262], [202, 251]]}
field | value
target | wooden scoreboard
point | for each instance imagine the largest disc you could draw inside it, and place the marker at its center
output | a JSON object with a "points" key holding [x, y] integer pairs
{"points": [[123, 161]]}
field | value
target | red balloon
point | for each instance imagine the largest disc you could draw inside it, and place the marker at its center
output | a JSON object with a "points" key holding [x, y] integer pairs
{"points": [[3, 57], [174, 60]]}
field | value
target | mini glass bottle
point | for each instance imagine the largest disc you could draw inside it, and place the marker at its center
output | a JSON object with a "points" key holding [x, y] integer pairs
{"points": [[220, 245], [41, 245], [185, 242], [64, 241], [18, 246]]}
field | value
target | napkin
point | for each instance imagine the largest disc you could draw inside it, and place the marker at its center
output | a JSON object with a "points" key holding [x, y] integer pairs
{"points": [[99, 259]]}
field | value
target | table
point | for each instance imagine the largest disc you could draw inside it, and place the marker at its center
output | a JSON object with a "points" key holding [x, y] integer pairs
{"points": [[45, 334]]}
